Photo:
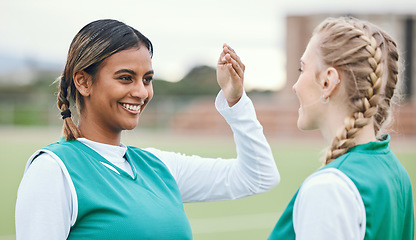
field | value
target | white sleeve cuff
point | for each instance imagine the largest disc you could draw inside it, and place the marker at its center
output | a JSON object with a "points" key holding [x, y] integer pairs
{"points": [[243, 109], [222, 105]]}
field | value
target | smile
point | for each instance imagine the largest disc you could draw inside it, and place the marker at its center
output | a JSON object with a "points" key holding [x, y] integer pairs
{"points": [[131, 107]]}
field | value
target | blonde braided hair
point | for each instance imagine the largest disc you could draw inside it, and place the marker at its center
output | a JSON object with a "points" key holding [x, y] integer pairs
{"points": [[366, 59]]}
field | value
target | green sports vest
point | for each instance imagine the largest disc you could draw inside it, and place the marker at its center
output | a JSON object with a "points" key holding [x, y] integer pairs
{"points": [[117, 206], [385, 189]]}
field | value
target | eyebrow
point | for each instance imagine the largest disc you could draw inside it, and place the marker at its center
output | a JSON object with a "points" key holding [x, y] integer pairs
{"points": [[302, 62], [126, 71], [132, 72]]}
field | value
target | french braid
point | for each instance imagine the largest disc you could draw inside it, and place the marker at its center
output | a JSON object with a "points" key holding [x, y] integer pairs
{"points": [[383, 116], [368, 69]]}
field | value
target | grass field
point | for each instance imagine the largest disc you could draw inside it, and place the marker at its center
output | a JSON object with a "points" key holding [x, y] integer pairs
{"points": [[248, 218]]}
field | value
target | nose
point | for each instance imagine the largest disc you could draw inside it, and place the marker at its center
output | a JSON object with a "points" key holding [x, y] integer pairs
{"points": [[140, 91]]}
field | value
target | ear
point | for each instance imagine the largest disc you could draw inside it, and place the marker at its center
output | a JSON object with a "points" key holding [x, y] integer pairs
{"points": [[83, 82], [330, 81]]}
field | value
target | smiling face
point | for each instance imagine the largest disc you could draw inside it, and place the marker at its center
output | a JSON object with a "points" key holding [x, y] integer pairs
{"points": [[119, 94], [308, 90]]}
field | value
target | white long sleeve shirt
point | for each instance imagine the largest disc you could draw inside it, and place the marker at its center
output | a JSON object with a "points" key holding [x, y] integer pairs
{"points": [[46, 203]]}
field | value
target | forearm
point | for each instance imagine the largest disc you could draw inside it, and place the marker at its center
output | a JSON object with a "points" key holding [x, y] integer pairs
{"points": [[255, 159], [253, 171]]}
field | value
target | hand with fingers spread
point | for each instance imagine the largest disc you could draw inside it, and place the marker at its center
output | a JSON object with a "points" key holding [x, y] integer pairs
{"points": [[230, 75]]}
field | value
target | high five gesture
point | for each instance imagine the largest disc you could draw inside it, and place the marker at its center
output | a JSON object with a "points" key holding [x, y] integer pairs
{"points": [[230, 75]]}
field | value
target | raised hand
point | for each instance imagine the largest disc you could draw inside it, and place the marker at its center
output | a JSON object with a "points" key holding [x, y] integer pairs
{"points": [[230, 75]]}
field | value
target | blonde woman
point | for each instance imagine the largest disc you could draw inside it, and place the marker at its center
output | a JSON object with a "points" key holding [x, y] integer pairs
{"points": [[348, 75], [91, 186]]}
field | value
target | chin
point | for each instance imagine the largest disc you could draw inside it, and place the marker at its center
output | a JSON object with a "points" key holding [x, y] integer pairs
{"points": [[300, 127], [304, 126], [300, 123], [131, 126]]}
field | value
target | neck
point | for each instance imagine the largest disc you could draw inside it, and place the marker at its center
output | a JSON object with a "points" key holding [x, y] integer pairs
{"points": [[365, 135], [334, 121], [94, 132]]}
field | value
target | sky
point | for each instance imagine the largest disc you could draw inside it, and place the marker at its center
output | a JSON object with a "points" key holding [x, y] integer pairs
{"points": [[185, 33]]}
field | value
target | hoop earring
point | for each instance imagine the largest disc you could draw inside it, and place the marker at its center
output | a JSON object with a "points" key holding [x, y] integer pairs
{"points": [[324, 100]]}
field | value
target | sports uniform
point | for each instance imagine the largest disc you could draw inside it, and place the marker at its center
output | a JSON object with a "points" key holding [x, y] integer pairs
{"points": [[55, 184], [363, 194]]}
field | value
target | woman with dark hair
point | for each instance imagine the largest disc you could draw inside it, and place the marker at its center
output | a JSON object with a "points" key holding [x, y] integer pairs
{"points": [[91, 186]]}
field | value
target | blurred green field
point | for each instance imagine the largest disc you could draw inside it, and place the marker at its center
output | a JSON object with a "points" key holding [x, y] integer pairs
{"points": [[249, 218]]}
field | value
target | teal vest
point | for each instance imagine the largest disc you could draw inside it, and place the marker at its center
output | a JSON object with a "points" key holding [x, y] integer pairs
{"points": [[117, 206], [385, 189]]}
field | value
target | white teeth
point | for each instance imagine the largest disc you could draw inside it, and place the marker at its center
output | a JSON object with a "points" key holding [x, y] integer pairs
{"points": [[131, 107]]}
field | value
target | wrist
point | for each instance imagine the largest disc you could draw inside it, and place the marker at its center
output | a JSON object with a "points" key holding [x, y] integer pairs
{"points": [[232, 102]]}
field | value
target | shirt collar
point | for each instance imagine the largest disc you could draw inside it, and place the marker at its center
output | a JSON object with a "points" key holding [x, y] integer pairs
{"points": [[381, 145], [106, 150]]}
